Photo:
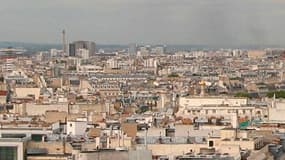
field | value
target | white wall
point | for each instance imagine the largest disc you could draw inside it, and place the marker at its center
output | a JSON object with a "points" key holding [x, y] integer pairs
{"points": [[23, 92], [277, 113], [40, 109], [76, 128], [198, 101]]}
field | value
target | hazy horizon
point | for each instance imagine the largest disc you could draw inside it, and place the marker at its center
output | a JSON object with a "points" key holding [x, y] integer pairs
{"points": [[183, 22]]}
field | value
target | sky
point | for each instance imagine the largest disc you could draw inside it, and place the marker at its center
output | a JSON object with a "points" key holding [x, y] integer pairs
{"points": [[185, 22]]}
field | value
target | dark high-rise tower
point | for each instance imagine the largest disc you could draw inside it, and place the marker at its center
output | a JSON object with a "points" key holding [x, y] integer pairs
{"points": [[132, 49], [72, 50], [89, 45], [64, 44]]}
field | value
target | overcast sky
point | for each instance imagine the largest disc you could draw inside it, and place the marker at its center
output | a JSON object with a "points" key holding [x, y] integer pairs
{"points": [[204, 22]]}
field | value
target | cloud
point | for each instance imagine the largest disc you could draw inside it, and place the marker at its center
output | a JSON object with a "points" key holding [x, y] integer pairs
{"points": [[210, 22]]}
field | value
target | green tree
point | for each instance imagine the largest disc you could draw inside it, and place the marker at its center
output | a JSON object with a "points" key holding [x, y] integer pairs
{"points": [[173, 75], [278, 94], [241, 94]]}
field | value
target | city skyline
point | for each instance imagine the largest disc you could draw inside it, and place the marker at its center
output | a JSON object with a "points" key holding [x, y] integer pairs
{"points": [[211, 23], [142, 79]]}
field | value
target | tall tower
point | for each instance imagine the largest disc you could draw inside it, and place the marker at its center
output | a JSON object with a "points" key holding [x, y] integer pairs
{"points": [[64, 45], [132, 49]]}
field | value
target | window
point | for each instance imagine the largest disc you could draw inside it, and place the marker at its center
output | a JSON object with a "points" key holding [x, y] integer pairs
{"points": [[211, 143], [37, 137], [8, 153]]}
